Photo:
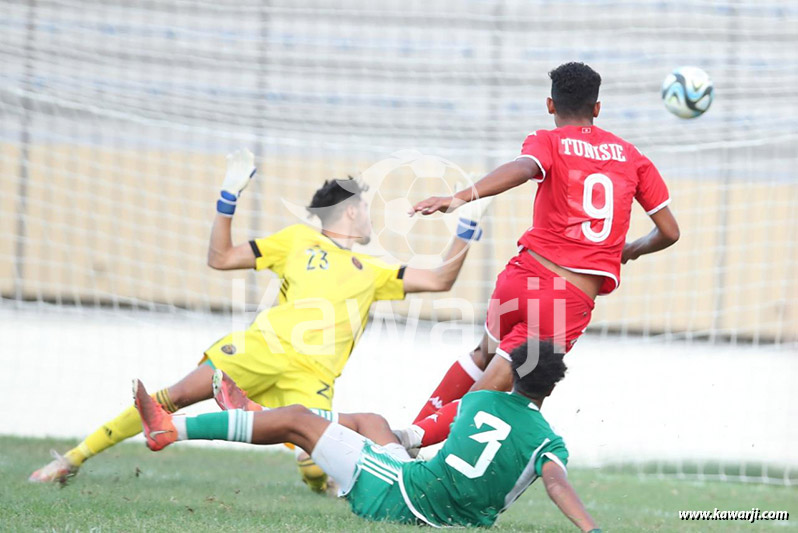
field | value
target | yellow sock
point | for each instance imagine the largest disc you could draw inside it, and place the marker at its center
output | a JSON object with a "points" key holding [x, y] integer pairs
{"points": [[124, 426]]}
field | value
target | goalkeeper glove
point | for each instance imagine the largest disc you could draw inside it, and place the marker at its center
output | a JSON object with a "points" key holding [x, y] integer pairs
{"points": [[240, 169], [470, 215]]}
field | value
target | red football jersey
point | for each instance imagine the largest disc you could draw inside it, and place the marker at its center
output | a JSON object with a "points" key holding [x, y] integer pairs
{"points": [[584, 199]]}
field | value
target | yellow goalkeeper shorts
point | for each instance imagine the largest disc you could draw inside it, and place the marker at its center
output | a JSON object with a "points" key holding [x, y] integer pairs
{"points": [[270, 379]]}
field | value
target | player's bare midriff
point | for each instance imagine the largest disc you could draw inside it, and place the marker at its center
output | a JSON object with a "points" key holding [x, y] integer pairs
{"points": [[587, 283]]}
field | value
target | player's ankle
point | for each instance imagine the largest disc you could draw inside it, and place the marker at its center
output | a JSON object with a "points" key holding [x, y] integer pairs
{"points": [[78, 455], [418, 435], [410, 437]]}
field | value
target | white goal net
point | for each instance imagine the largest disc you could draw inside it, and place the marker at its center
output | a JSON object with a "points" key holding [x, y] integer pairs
{"points": [[115, 118]]}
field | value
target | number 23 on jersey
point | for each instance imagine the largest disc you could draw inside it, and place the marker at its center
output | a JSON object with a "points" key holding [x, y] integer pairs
{"points": [[317, 259]]}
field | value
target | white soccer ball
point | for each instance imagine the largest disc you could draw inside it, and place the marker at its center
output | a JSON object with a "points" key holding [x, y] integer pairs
{"points": [[687, 92], [394, 184]]}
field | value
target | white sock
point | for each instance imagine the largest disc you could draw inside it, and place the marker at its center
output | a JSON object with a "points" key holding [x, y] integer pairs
{"points": [[418, 435], [470, 367], [409, 437], [180, 425]]}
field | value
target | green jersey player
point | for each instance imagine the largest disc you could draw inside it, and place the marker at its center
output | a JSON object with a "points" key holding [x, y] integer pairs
{"points": [[499, 444]]}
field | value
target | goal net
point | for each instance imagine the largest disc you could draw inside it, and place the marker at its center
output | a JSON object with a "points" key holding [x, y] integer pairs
{"points": [[116, 117]]}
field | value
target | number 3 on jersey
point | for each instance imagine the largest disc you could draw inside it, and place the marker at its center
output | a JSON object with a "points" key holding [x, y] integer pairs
{"points": [[602, 213], [493, 441]]}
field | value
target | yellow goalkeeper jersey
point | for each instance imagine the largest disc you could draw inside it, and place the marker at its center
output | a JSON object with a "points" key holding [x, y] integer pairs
{"points": [[325, 295]]}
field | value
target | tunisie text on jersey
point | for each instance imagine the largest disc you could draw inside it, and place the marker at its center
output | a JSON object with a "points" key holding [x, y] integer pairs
{"points": [[601, 152]]}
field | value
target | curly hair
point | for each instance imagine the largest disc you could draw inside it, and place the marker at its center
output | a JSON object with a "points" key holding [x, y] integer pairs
{"points": [[328, 199], [535, 379], [574, 89]]}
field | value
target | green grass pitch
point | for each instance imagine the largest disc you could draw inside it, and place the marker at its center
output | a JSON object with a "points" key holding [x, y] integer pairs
{"points": [[129, 488]]}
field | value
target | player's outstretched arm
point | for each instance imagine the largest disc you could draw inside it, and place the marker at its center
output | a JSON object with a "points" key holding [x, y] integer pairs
{"points": [[222, 254], [562, 493], [442, 278], [664, 234], [505, 177]]}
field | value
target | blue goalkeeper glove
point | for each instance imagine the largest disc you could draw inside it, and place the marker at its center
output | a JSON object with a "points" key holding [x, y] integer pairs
{"points": [[468, 228], [240, 169]]}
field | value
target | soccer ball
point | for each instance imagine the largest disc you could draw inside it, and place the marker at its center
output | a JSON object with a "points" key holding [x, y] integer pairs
{"points": [[687, 92], [394, 184]]}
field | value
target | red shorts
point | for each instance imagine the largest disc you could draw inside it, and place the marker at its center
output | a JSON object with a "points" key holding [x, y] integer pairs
{"points": [[532, 301]]}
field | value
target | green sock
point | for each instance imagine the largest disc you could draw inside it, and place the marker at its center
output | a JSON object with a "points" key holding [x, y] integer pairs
{"points": [[235, 425]]}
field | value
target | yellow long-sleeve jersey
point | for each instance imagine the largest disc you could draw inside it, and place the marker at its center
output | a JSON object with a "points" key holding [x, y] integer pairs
{"points": [[325, 295]]}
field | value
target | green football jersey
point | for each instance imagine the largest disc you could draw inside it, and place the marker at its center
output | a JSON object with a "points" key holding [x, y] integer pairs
{"points": [[496, 448]]}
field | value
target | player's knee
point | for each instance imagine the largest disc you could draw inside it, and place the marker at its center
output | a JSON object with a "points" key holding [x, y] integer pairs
{"points": [[295, 417], [376, 419], [296, 412], [370, 422], [481, 357]]}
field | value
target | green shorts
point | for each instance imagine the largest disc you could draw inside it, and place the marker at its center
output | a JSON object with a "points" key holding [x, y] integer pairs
{"points": [[376, 494]]}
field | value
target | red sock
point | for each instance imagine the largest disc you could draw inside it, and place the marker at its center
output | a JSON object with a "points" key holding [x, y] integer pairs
{"points": [[436, 425], [453, 386]]}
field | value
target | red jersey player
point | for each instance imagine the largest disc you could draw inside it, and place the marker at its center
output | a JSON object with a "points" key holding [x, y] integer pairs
{"points": [[587, 178]]}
